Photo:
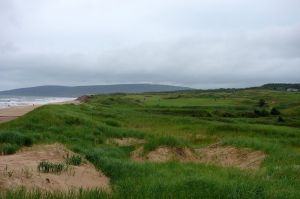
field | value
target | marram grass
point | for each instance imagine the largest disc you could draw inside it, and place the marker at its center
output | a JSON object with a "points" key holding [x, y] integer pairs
{"points": [[179, 119]]}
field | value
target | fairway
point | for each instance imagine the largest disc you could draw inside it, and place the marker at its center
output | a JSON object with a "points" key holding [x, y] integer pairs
{"points": [[188, 144]]}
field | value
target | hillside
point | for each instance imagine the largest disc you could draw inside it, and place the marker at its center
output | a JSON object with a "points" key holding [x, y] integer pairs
{"points": [[66, 91]]}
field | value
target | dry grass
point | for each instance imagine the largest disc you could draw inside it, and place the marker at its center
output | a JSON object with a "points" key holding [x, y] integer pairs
{"points": [[225, 156], [128, 141]]}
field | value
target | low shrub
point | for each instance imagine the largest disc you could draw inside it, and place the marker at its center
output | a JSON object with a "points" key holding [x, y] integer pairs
{"points": [[262, 103], [280, 119], [274, 111]]}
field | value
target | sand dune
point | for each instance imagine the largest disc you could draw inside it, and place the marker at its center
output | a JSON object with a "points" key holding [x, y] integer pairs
{"points": [[20, 170]]}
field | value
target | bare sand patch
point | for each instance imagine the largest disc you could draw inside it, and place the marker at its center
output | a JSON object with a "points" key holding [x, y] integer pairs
{"points": [[229, 156], [226, 156], [127, 141], [164, 154], [20, 170], [75, 102]]}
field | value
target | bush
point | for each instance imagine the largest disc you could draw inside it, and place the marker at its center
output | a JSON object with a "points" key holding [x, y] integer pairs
{"points": [[280, 119], [49, 167], [74, 160], [7, 148], [274, 111], [15, 138], [262, 103]]}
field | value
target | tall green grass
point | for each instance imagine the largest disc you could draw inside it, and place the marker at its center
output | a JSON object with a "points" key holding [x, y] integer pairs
{"points": [[10, 142], [175, 120], [169, 141]]}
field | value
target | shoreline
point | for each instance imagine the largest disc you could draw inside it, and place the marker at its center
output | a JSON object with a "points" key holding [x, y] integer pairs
{"points": [[11, 113], [14, 112]]}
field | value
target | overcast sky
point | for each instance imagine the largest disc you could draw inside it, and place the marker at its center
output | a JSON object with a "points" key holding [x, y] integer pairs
{"points": [[196, 43]]}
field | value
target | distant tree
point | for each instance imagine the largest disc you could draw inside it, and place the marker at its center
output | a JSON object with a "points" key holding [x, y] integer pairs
{"points": [[262, 103], [274, 111]]}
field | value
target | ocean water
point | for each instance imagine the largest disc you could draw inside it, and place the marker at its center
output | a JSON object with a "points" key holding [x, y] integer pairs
{"points": [[10, 101]]}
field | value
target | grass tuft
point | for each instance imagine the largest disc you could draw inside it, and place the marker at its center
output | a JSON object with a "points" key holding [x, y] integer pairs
{"points": [[49, 167], [7, 148], [75, 160]]}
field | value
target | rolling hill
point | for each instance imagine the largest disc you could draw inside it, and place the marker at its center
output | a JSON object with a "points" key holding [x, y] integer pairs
{"points": [[75, 91]]}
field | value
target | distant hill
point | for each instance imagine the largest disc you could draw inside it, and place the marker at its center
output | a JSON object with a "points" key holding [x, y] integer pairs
{"points": [[281, 86], [76, 91]]}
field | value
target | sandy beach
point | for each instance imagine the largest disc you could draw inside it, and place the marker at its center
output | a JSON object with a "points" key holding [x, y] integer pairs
{"points": [[11, 113]]}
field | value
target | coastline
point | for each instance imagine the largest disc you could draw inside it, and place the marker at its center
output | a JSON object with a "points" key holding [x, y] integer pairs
{"points": [[11, 113], [14, 112]]}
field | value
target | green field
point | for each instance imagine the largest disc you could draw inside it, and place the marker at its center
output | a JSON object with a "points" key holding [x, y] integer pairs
{"points": [[193, 119]]}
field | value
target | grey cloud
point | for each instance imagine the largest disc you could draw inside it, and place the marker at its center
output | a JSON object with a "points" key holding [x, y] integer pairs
{"points": [[200, 44]]}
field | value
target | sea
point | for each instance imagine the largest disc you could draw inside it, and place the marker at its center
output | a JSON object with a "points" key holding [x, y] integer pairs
{"points": [[11, 101]]}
